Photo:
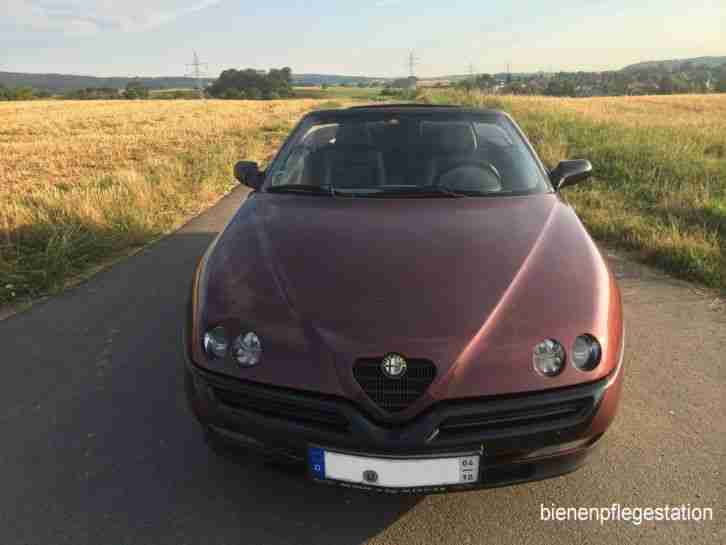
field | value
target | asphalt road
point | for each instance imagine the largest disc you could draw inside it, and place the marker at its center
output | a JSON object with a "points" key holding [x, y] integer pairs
{"points": [[98, 446]]}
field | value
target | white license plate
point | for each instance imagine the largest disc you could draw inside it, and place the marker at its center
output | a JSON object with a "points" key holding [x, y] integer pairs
{"points": [[393, 472]]}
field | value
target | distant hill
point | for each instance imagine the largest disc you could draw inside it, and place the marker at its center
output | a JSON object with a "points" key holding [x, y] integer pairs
{"points": [[62, 83], [461, 77], [675, 65], [328, 79]]}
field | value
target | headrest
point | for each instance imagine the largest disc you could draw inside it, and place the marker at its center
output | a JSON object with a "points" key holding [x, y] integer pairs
{"points": [[355, 134], [448, 137], [347, 166]]}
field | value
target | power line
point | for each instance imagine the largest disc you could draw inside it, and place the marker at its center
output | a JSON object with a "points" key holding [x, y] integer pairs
{"points": [[198, 70]]}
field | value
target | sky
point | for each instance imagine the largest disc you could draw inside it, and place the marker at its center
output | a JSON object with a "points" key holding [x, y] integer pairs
{"points": [[374, 37]]}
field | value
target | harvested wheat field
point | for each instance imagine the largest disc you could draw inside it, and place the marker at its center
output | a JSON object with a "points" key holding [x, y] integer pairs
{"points": [[64, 141], [83, 182]]}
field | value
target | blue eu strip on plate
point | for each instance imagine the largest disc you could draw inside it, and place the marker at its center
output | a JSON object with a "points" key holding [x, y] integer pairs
{"points": [[316, 457]]}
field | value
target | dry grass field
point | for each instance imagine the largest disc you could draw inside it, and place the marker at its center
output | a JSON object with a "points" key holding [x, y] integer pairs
{"points": [[52, 142], [660, 170], [84, 182]]}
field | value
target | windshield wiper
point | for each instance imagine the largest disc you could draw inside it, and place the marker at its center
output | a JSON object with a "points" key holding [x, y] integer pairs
{"points": [[307, 189], [329, 190], [417, 191]]}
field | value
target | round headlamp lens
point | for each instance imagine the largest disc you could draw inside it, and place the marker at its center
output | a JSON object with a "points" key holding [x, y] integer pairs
{"points": [[549, 357], [247, 349], [215, 342], [586, 353]]}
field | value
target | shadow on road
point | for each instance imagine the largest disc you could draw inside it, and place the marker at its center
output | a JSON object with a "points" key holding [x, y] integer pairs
{"points": [[104, 448]]}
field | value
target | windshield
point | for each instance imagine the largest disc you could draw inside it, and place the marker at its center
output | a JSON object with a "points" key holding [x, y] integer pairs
{"points": [[399, 154]]}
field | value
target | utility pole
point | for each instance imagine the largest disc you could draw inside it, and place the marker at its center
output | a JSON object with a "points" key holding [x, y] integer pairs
{"points": [[412, 61], [198, 70], [470, 84]]}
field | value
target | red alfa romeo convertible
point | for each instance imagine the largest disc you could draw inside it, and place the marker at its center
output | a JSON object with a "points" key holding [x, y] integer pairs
{"points": [[406, 302]]}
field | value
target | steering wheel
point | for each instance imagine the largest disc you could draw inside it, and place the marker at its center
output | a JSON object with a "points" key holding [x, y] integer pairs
{"points": [[473, 173]]}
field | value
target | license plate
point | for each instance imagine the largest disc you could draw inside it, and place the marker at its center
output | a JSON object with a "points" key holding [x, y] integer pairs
{"points": [[393, 472]]}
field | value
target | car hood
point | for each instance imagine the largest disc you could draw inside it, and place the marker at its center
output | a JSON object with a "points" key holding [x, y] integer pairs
{"points": [[470, 284], [376, 271]]}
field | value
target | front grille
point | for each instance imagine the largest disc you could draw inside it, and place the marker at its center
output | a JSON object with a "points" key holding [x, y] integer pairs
{"points": [[264, 402], [511, 419], [394, 394]]}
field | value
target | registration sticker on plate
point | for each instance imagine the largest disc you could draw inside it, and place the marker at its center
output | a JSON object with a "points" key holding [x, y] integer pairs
{"points": [[392, 472]]}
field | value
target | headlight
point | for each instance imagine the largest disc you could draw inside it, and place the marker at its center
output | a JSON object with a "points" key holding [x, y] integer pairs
{"points": [[549, 357], [247, 349], [215, 342], [586, 353]]}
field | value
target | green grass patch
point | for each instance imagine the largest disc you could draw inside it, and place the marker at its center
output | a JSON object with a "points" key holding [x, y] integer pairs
{"points": [[336, 92], [68, 230], [83, 184]]}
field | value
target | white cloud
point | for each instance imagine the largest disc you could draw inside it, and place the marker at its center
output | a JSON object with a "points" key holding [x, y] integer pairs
{"points": [[90, 16]]}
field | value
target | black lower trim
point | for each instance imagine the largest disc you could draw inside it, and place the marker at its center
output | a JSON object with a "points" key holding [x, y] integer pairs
{"points": [[503, 423], [509, 430], [491, 473]]}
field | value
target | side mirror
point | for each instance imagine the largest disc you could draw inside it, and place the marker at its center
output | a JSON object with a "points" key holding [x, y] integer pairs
{"points": [[570, 173], [249, 174]]}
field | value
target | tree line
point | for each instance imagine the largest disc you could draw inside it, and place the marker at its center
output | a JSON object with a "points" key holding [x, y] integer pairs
{"points": [[648, 80], [133, 90], [252, 84], [231, 84], [21, 93]]}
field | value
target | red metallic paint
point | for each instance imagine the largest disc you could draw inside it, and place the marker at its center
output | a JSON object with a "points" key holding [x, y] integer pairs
{"points": [[471, 284]]}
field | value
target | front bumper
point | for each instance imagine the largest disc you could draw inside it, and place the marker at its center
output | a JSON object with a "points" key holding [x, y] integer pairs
{"points": [[520, 437]]}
